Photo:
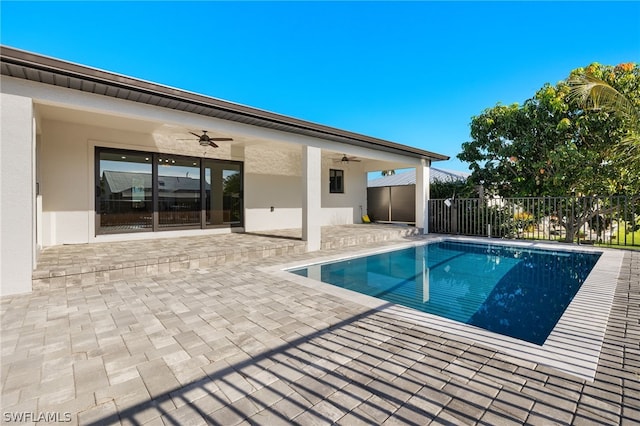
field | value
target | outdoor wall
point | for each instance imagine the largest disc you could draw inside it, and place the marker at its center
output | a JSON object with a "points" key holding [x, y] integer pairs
{"points": [[63, 183], [262, 192], [17, 192], [273, 178], [346, 208], [67, 178]]}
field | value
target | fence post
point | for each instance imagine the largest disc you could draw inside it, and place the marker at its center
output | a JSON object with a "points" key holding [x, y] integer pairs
{"points": [[454, 217]]}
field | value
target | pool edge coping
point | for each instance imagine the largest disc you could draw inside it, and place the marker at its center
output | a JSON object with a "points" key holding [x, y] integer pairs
{"points": [[573, 346]]}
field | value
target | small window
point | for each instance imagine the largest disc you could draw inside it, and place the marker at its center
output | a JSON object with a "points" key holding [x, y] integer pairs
{"points": [[336, 181]]}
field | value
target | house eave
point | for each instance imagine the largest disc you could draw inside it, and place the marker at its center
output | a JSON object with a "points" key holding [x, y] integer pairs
{"points": [[46, 70]]}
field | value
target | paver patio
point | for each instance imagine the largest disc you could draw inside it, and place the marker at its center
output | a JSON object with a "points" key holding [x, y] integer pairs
{"points": [[227, 343]]}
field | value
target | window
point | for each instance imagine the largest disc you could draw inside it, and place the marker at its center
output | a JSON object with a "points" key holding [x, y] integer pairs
{"points": [[138, 191], [336, 181]]}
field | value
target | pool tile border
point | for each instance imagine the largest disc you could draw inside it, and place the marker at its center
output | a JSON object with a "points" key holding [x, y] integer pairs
{"points": [[573, 346]]}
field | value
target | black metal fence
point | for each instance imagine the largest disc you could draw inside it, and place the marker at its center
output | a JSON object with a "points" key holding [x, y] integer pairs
{"points": [[613, 220]]}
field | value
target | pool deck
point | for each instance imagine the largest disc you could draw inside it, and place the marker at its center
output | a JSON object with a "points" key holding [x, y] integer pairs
{"points": [[199, 331]]}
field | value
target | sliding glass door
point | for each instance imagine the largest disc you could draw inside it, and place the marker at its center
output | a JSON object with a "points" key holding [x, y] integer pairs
{"points": [[125, 187], [178, 192], [137, 191], [223, 197]]}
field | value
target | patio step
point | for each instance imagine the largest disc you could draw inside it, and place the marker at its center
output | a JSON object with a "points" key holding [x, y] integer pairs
{"points": [[97, 263]]}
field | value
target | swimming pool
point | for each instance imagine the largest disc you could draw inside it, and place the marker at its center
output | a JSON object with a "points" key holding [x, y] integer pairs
{"points": [[515, 291]]}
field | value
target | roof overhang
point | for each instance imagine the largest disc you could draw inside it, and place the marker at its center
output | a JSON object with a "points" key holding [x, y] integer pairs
{"points": [[42, 69]]}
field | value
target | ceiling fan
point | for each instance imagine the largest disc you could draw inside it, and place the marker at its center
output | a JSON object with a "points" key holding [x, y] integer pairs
{"points": [[205, 140], [345, 160]]}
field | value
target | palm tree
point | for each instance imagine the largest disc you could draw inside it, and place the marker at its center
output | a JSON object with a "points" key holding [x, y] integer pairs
{"points": [[595, 94]]}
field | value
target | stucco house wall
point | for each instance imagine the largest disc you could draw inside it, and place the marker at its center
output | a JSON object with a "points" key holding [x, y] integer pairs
{"points": [[17, 193], [271, 179]]}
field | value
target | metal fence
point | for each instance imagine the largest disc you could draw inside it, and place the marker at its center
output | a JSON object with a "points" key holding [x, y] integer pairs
{"points": [[611, 220]]}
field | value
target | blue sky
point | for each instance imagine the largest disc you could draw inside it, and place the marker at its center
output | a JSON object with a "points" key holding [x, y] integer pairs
{"points": [[410, 72]]}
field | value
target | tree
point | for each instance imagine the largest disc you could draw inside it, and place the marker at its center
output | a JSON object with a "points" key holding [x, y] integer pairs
{"points": [[551, 145], [451, 188], [388, 172], [592, 93], [232, 184], [555, 145]]}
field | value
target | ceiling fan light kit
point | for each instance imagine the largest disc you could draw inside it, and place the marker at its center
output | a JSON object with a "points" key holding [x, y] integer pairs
{"points": [[346, 160], [205, 140]]}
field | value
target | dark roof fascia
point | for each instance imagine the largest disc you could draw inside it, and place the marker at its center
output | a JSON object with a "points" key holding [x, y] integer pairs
{"points": [[42, 63]]}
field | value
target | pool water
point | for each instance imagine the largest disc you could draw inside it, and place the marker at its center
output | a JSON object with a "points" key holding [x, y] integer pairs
{"points": [[517, 292]]}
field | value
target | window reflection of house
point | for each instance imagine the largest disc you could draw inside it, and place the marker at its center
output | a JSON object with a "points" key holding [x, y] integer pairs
{"points": [[127, 186], [184, 195]]}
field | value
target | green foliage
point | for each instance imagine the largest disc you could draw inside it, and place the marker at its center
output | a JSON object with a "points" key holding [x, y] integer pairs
{"points": [[593, 89], [552, 145], [439, 189], [232, 184]]}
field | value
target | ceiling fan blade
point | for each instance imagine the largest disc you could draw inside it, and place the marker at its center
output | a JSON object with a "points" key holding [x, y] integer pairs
{"points": [[195, 134], [354, 160], [212, 144], [220, 139]]}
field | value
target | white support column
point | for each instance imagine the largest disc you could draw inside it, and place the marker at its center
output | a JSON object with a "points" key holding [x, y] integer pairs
{"points": [[422, 196], [17, 192], [311, 196]]}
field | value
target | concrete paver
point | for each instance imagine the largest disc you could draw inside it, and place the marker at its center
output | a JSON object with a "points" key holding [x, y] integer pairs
{"points": [[226, 343]]}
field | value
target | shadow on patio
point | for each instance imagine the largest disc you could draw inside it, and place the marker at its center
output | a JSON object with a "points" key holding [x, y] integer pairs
{"points": [[358, 371]]}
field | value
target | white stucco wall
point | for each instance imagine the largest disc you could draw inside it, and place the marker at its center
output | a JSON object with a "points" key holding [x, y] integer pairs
{"points": [[343, 209], [64, 183], [67, 178], [17, 194], [311, 197], [274, 179], [262, 192]]}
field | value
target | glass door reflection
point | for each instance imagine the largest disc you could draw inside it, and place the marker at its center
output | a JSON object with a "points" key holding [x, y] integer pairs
{"points": [[179, 201], [223, 193], [124, 193]]}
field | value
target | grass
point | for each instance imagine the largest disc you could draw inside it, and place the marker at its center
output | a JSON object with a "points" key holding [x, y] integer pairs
{"points": [[625, 238], [621, 239]]}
